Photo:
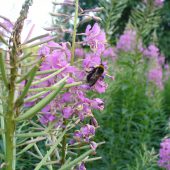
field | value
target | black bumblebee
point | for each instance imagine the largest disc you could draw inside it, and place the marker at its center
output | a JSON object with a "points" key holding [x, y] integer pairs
{"points": [[95, 74]]}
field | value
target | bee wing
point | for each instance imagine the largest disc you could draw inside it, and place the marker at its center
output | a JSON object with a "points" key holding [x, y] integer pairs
{"points": [[92, 79]]}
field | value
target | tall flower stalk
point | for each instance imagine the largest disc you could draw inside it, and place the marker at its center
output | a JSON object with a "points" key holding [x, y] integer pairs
{"points": [[12, 110], [72, 62]]}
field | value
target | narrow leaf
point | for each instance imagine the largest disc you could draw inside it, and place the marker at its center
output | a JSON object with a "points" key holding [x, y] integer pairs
{"points": [[54, 87], [25, 56], [26, 148], [28, 135], [36, 96], [28, 84], [73, 163], [3, 40], [46, 72], [48, 77], [39, 43], [35, 109], [36, 38], [2, 69], [45, 158]]}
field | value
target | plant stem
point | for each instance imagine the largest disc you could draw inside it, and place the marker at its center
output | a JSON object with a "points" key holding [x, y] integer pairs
{"points": [[9, 119], [74, 32], [63, 146], [2, 69], [72, 61]]}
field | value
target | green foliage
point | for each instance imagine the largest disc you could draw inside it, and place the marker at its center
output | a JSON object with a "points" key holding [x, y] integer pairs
{"points": [[118, 14], [146, 18], [145, 159], [164, 30], [112, 16], [167, 97], [88, 4]]}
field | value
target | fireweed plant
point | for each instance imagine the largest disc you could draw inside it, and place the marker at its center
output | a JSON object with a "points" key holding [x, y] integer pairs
{"points": [[46, 116]]}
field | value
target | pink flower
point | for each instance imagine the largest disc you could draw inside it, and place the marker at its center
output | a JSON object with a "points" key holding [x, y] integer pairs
{"points": [[29, 104], [43, 51], [155, 76], [77, 135], [110, 52], [95, 38], [159, 3], [82, 110], [97, 104], [166, 66], [79, 52], [87, 130], [46, 118], [81, 167], [151, 51], [100, 86], [161, 59], [91, 60], [167, 72], [164, 154], [127, 41], [46, 108], [67, 112], [67, 97]]}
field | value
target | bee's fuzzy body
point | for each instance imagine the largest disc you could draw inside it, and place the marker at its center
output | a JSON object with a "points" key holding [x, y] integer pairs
{"points": [[94, 75]]}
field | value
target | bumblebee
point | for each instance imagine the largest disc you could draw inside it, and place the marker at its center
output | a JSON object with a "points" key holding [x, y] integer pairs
{"points": [[95, 74]]}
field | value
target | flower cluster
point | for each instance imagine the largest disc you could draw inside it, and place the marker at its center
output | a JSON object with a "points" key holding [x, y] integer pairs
{"points": [[164, 154], [95, 38], [157, 3], [157, 60], [155, 75], [151, 51], [74, 103], [127, 42]]}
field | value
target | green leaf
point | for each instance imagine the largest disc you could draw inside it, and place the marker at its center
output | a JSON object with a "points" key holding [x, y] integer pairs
{"points": [[26, 148], [3, 40], [39, 43], [36, 38], [34, 96], [28, 84], [25, 56], [73, 163], [50, 76], [43, 161], [2, 69], [55, 86], [35, 109]]}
